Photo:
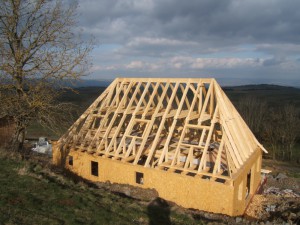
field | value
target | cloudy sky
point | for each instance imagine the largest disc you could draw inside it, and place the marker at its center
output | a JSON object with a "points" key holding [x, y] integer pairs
{"points": [[252, 41]]}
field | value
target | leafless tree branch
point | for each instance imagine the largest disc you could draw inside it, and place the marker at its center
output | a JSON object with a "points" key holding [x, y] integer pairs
{"points": [[39, 54]]}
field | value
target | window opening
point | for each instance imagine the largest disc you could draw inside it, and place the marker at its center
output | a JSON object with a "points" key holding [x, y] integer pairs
{"points": [[70, 160], [94, 168], [248, 184], [139, 178]]}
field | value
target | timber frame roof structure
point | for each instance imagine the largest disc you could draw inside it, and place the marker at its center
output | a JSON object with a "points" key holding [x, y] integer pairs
{"points": [[186, 126]]}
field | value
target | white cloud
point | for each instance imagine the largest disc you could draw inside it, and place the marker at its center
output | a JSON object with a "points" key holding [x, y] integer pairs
{"points": [[142, 41], [135, 65], [200, 63], [224, 62], [163, 37], [182, 63]]}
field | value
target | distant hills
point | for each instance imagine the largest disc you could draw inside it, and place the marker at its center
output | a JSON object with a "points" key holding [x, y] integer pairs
{"points": [[226, 85], [253, 87], [229, 82], [95, 83]]}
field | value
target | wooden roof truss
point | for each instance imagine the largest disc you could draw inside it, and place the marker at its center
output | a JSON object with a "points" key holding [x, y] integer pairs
{"points": [[186, 126]]}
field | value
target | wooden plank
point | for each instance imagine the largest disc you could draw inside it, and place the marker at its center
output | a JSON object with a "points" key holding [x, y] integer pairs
{"points": [[150, 100], [196, 126], [147, 132], [203, 108], [116, 113], [170, 79], [207, 142], [165, 149], [71, 131], [131, 123], [218, 159], [202, 173], [157, 136]]}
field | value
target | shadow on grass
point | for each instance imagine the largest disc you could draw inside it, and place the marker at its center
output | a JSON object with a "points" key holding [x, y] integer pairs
{"points": [[159, 212]]}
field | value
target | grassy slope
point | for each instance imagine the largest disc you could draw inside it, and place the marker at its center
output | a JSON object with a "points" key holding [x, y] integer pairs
{"points": [[32, 195]]}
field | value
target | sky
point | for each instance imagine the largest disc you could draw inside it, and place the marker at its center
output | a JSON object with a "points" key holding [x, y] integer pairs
{"points": [[234, 41]]}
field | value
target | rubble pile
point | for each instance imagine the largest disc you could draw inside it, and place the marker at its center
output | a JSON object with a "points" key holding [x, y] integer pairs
{"points": [[282, 181], [278, 192], [273, 208], [279, 203]]}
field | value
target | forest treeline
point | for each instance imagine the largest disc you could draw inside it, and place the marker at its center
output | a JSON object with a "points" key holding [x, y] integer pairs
{"points": [[277, 127]]}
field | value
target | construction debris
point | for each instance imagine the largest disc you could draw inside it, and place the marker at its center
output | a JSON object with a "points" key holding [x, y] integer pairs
{"points": [[278, 192], [42, 146]]}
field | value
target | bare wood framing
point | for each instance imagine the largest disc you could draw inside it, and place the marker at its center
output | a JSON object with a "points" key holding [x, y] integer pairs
{"points": [[179, 125]]}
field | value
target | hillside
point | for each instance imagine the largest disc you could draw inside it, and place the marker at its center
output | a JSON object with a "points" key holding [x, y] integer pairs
{"points": [[31, 193], [34, 192], [274, 95]]}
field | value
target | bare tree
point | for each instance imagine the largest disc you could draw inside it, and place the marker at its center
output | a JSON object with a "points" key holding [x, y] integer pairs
{"points": [[39, 53], [282, 130], [289, 130], [272, 131], [253, 110]]}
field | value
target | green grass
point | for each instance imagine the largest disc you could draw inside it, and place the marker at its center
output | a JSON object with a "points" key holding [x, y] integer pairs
{"points": [[30, 194], [36, 131], [292, 169]]}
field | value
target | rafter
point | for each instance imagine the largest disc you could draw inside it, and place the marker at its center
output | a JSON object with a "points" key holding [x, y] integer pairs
{"points": [[187, 126]]}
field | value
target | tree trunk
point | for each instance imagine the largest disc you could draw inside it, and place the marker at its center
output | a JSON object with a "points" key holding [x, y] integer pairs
{"points": [[18, 139], [21, 139], [274, 154], [290, 153]]}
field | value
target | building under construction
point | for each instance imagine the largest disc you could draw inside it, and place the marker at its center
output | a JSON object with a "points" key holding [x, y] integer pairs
{"points": [[182, 137]]}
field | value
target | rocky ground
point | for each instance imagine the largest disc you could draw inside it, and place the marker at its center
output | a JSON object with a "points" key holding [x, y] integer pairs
{"points": [[279, 203]]}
